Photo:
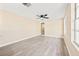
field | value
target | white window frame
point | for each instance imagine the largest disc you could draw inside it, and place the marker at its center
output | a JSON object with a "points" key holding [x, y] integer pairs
{"points": [[73, 25]]}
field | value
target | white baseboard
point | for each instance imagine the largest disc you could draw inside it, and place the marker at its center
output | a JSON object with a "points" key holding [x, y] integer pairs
{"points": [[58, 36], [19, 40], [67, 48]]}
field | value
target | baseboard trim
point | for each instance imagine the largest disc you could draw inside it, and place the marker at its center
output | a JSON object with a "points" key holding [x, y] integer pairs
{"points": [[67, 48], [19, 40], [54, 36]]}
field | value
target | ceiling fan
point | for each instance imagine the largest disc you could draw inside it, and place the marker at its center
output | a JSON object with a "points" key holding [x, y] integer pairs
{"points": [[27, 4], [42, 17]]}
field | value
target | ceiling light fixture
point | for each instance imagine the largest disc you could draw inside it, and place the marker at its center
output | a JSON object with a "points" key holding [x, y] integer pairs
{"points": [[43, 17], [27, 4]]}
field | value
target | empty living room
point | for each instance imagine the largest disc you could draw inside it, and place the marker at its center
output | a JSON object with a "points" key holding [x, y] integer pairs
{"points": [[39, 29]]}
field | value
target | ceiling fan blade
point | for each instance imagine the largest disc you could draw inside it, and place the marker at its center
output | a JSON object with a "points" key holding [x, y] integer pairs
{"points": [[27, 4], [45, 15]]}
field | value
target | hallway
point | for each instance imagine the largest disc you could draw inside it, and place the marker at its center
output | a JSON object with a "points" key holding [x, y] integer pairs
{"points": [[36, 46]]}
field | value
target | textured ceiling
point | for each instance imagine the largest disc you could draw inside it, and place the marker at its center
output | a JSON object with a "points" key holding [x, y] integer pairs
{"points": [[54, 10]]}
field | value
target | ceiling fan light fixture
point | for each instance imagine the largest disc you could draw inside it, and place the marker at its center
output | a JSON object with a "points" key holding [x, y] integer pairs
{"points": [[43, 16]]}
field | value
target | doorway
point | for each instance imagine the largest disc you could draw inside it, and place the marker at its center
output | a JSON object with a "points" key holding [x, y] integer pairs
{"points": [[42, 28]]}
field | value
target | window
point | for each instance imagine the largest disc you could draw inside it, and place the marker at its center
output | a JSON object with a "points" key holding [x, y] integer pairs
{"points": [[75, 25]]}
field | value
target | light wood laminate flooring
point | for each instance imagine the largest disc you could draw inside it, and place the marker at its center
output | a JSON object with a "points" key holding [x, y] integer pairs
{"points": [[36, 46]]}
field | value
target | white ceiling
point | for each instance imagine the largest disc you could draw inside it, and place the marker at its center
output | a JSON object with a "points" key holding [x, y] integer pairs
{"points": [[54, 10]]}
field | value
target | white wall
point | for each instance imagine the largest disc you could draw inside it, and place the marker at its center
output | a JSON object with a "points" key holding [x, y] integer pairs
{"points": [[54, 28], [15, 28]]}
